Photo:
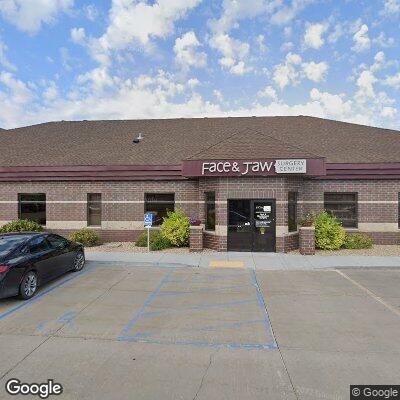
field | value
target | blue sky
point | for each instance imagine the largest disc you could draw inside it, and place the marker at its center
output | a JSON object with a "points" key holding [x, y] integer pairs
{"points": [[77, 59]]}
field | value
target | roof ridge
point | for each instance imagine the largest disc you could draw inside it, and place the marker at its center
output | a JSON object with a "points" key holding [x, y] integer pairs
{"points": [[256, 132]]}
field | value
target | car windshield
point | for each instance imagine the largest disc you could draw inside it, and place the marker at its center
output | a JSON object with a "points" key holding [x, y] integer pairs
{"points": [[9, 243]]}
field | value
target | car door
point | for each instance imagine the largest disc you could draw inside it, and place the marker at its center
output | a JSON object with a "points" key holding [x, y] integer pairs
{"points": [[62, 252], [41, 257]]}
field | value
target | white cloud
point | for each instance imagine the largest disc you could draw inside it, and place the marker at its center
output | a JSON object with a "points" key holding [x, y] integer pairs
{"points": [[361, 39], [268, 92], [233, 53], [337, 33], [287, 73], [313, 35], [391, 8], [383, 40], [78, 35], [286, 13], [365, 83], [185, 51], [51, 91], [18, 91], [315, 72], [393, 81], [388, 112], [3, 57], [91, 12], [29, 15], [98, 77], [333, 104], [133, 22]]}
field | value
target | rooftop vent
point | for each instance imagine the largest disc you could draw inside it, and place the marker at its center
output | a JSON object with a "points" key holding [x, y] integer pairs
{"points": [[138, 138]]}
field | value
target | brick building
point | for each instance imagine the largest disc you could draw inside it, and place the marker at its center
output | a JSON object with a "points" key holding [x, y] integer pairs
{"points": [[247, 179]]}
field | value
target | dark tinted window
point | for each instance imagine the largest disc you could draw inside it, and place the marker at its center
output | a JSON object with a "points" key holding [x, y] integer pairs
{"points": [[159, 204], [210, 211], [9, 243], [343, 206], [292, 211], [57, 242], [32, 206], [38, 245], [94, 209]]}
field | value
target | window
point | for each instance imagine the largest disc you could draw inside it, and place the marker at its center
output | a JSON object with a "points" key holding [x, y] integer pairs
{"points": [[344, 207], [57, 242], [94, 209], [32, 206], [38, 244], [159, 204], [292, 211], [210, 211]]}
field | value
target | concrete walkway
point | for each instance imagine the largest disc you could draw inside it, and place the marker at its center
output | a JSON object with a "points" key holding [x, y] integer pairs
{"points": [[258, 261]]}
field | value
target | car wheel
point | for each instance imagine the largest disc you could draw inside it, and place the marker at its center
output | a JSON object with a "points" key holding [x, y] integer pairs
{"points": [[28, 286], [79, 262]]}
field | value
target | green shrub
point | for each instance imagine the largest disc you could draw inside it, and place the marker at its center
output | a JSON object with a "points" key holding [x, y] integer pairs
{"points": [[307, 219], [176, 228], [21, 225], [160, 242], [87, 237], [357, 241], [329, 233], [141, 241]]}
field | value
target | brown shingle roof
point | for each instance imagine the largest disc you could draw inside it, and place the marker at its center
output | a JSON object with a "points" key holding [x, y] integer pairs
{"points": [[169, 141]]}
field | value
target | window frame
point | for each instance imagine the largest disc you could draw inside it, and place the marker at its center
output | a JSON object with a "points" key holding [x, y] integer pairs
{"points": [[295, 204], [147, 202], [88, 203], [206, 204], [348, 202], [20, 202]]}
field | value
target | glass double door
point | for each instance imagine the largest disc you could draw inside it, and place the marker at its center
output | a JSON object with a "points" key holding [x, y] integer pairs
{"points": [[251, 225]]}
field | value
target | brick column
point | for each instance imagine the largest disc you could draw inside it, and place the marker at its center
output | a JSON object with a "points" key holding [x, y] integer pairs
{"points": [[307, 240], [196, 238]]}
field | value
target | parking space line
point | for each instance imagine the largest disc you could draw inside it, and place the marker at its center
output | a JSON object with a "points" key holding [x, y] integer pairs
{"points": [[43, 293], [263, 307], [131, 323], [370, 293]]}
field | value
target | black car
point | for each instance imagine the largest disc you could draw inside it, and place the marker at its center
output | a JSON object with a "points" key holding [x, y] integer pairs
{"points": [[28, 260]]}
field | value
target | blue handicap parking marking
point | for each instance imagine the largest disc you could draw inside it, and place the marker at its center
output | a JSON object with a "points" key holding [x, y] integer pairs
{"points": [[132, 331]]}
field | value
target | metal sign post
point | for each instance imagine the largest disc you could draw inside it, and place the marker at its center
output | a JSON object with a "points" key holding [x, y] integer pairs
{"points": [[148, 223]]}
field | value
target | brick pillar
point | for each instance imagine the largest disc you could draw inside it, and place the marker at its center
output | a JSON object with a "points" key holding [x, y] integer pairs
{"points": [[196, 238], [307, 240]]}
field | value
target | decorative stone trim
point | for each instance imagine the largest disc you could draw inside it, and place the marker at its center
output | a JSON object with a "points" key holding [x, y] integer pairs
{"points": [[196, 238], [307, 240]]}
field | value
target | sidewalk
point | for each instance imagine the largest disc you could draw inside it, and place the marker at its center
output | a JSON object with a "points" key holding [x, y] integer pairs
{"points": [[261, 261]]}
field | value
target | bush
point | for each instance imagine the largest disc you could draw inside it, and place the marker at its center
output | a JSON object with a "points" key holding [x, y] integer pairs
{"points": [[307, 219], [357, 241], [329, 233], [176, 228], [141, 241], [160, 242], [21, 225], [87, 237]]}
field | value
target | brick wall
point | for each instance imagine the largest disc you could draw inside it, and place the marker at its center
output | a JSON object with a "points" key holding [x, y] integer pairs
{"points": [[307, 240], [123, 204]]}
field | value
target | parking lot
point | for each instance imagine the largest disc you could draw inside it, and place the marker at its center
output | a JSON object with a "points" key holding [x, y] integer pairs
{"points": [[116, 331]]}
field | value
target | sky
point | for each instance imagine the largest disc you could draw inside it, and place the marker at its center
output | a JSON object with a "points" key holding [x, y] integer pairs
{"points": [[129, 59]]}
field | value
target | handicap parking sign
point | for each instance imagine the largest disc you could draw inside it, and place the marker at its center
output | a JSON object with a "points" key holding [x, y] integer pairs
{"points": [[148, 219]]}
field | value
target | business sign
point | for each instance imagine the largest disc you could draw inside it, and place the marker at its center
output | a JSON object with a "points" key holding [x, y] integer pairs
{"points": [[291, 166], [148, 220], [251, 167], [255, 167]]}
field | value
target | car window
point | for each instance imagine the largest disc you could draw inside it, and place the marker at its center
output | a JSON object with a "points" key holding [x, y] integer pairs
{"points": [[57, 242], [38, 245], [9, 243]]}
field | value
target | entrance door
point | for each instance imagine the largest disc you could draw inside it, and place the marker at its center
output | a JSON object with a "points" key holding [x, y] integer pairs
{"points": [[251, 225]]}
